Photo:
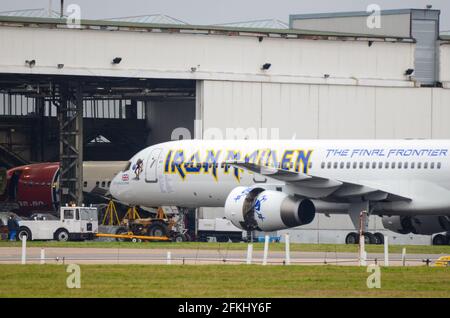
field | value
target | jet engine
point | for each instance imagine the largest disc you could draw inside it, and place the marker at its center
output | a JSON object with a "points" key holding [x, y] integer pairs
{"points": [[424, 225], [266, 210]]}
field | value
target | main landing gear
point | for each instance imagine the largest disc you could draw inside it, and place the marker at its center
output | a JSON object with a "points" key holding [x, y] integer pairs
{"points": [[441, 239], [369, 238]]}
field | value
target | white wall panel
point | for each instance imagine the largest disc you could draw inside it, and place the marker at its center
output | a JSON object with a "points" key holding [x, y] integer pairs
{"points": [[441, 113], [292, 108], [403, 113], [346, 112], [172, 55], [231, 105], [444, 60]]}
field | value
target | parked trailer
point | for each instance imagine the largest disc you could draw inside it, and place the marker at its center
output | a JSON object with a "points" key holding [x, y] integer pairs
{"points": [[221, 229], [74, 223]]}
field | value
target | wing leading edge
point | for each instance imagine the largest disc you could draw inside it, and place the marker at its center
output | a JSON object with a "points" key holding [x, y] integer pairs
{"points": [[317, 187]]}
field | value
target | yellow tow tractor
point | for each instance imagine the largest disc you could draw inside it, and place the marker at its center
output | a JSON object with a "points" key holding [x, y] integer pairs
{"points": [[443, 261]]}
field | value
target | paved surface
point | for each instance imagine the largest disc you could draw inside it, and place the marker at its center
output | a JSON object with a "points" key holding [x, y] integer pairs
{"points": [[12, 255]]}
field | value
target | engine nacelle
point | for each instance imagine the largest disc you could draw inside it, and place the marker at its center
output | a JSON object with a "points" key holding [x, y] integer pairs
{"points": [[424, 225], [265, 210]]}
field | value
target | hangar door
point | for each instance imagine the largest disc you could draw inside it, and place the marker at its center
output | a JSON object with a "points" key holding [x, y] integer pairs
{"points": [[425, 32]]}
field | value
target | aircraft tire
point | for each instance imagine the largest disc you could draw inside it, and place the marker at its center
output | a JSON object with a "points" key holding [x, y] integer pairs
{"points": [[440, 240], [379, 238], [352, 238], [369, 238]]}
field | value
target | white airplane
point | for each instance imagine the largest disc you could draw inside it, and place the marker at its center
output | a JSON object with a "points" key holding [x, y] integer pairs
{"points": [[270, 185]]}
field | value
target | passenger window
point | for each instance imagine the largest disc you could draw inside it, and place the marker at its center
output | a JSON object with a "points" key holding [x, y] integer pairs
{"points": [[419, 165], [432, 165], [361, 165], [393, 165], [85, 184], [439, 165], [386, 165], [406, 165], [103, 184], [335, 165], [109, 184], [68, 214], [355, 165], [367, 165], [399, 165], [329, 165], [380, 165], [413, 165], [342, 165], [348, 165], [425, 165], [97, 183], [322, 165]]}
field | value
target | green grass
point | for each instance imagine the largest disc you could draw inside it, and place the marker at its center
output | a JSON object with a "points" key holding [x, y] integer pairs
{"points": [[221, 281], [411, 249]]}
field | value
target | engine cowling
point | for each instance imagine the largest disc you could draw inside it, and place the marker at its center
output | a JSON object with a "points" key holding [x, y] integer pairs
{"points": [[424, 225], [266, 210]]}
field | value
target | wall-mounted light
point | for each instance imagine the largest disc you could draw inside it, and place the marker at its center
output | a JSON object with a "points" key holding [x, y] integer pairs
{"points": [[60, 66], [266, 66], [326, 75], [116, 60], [30, 63], [409, 72]]}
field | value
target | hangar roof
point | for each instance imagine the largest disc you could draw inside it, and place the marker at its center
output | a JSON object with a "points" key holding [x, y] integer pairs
{"points": [[149, 18], [186, 28], [263, 24], [31, 13]]}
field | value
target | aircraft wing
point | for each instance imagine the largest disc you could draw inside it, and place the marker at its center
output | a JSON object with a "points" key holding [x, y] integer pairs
{"points": [[318, 187]]}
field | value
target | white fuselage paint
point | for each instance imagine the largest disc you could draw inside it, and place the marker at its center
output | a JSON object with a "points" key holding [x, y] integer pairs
{"points": [[163, 183]]}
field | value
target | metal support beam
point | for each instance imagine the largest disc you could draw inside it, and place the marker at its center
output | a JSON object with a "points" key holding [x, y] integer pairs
{"points": [[37, 138], [70, 115]]}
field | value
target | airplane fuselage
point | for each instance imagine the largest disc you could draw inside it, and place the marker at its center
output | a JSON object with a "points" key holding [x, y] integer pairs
{"points": [[199, 173]]}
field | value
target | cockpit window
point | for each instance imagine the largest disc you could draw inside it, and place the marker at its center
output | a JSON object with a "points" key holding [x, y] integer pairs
{"points": [[127, 167]]}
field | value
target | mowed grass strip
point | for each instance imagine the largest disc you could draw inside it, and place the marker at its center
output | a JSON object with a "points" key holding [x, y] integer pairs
{"points": [[221, 281], [410, 249]]}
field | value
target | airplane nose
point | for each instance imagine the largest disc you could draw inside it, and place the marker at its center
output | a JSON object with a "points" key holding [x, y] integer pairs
{"points": [[113, 187], [118, 188]]}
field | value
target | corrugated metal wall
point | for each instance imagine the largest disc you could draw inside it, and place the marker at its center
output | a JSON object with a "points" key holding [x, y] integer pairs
{"points": [[327, 111], [426, 34]]}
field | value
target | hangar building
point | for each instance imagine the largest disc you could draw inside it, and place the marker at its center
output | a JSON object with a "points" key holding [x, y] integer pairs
{"points": [[132, 83]]}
